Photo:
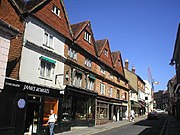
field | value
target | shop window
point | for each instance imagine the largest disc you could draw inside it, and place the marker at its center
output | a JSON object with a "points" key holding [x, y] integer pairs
{"points": [[102, 110], [49, 104], [66, 110]]}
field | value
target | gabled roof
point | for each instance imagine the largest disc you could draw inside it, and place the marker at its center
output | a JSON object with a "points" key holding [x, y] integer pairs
{"points": [[33, 6], [78, 28], [100, 44], [115, 56]]}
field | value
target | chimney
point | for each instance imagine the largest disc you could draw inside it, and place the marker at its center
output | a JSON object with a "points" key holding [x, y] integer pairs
{"points": [[133, 69], [126, 64]]}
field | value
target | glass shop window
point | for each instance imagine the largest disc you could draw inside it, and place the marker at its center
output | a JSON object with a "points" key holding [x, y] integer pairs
{"points": [[102, 110], [49, 104]]}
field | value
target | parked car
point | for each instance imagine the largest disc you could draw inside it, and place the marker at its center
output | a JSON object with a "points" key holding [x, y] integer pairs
{"points": [[152, 115], [160, 111]]}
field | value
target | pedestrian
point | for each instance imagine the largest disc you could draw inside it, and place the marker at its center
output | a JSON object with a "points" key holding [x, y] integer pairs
{"points": [[132, 115], [126, 115], [51, 122]]}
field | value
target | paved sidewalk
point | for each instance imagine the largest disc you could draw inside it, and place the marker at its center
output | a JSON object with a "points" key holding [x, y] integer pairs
{"points": [[99, 128], [173, 126]]}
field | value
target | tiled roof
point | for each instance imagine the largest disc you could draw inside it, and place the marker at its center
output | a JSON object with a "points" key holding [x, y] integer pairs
{"points": [[78, 27], [99, 44], [115, 56]]}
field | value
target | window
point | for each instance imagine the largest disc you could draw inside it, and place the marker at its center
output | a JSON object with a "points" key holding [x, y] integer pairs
{"points": [[118, 94], [102, 111], [106, 52], [48, 40], [119, 63], [110, 91], [72, 54], [88, 63], [102, 69], [46, 69], [87, 36], [102, 89], [111, 76], [77, 81], [56, 10], [90, 83]]}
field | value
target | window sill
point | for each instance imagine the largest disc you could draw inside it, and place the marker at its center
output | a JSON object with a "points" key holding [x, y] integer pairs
{"points": [[48, 47], [49, 79]]}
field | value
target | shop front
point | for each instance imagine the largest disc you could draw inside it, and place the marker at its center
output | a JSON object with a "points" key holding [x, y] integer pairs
{"points": [[26, 108], [79, 106], [108, 110]]}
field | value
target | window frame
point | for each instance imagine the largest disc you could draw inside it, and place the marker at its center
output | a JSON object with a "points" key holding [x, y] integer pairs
{"points": [[87, 36], [56, 10], [102, 91], [48, 40]]}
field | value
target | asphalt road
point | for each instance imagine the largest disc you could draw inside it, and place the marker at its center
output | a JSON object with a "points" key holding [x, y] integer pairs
{"points": [[144, 127]]}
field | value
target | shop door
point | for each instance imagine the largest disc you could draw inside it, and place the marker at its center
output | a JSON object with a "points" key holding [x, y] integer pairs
{"points": [[32, 118]]}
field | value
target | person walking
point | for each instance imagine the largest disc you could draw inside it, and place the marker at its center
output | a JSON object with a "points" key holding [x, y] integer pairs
{"points": [[132, 115], [51, 122]]}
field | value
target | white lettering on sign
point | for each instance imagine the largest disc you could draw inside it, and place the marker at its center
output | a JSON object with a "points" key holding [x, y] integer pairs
{"points": [[37, 89], [12, 84]]}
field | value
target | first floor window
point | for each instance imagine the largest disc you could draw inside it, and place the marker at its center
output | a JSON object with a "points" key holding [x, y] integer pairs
{"points": [[90, 84], [47, 69], [48, 40], [88, 63], [77, 81], [110, 91], [72, 53], [118, 94], [102, 89]]}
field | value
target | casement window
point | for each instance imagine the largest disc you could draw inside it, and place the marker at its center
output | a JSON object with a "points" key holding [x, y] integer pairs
{"points": [[118, 94], [102, 88], [111, 76], [48, 40], [88, 63], [56, 10], [72, 53], [46, 67], [87, 36], [102, 69], [106, 52], [110, 91], [77, 80], [90, 82]]}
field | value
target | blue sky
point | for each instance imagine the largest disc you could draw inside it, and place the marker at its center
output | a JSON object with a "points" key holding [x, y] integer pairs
{"points": [[143, 30]]}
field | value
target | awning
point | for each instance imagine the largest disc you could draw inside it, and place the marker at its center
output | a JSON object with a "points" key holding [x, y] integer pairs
{"points": [[135, 104], [48, 60], [92, 77]]}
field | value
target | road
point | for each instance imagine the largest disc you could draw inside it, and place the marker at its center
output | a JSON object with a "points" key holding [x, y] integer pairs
{"points": [[144, 127]]}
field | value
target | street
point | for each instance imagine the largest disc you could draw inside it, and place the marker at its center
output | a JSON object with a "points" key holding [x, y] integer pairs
{"points": [[144, 127]]}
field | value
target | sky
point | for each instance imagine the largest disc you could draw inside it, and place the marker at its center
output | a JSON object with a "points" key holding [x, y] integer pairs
{"points": [[144, 31]]}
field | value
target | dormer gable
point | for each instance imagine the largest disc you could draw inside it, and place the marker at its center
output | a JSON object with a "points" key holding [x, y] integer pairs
{"points": [[50, 12], [117, 62], [104, 52], [83, 36]]}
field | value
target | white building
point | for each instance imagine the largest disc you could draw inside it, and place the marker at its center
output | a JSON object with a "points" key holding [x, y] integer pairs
{"points": [[148, 96], [42, 55]]}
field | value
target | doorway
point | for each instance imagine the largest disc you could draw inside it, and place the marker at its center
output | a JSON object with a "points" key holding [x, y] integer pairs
{"points": [[32, 119]]}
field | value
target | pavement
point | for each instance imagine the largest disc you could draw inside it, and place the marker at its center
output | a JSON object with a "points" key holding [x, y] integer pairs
{"points": [[173, 126], [100, 128]]}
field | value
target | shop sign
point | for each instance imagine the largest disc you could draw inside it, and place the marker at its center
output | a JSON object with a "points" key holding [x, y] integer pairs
{"points": [[36, 89], [21, 103]]}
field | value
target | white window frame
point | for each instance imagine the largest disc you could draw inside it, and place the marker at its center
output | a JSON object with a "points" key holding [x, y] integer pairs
{"points": [[77, 80], [46, 71], [90, 84], [102, 89], [102, 69], [72, 53], [110, 91], [56, 10], [48, 40], [88, 62], [106, 52], [87, 36]]}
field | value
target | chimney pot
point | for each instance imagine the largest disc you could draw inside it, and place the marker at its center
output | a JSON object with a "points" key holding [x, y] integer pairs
{"points": [[126, 64]]}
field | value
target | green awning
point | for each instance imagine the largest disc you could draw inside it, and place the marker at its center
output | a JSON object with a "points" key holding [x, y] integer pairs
{"points": [[92, 77], [48, 60], [135, 104]]}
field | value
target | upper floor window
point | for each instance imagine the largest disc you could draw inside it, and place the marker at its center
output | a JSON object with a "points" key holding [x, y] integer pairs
{"points": [[90, 82], [110, 91], [72, 53], [106, 52], [46, 67], [111, 76], [48, 40], [102, 69], [102, 88], [56, 10], [88, 63], [118, 94], [87, 36], [77, 80]]}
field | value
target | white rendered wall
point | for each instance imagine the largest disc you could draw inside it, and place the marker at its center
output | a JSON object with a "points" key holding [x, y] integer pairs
{"points": [[30, 61]]}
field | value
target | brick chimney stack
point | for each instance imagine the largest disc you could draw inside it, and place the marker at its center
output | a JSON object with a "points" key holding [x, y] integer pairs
{"points": [[133, 69], [126, 64]]}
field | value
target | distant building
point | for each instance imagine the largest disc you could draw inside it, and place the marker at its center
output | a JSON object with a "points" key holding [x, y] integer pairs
{"points": [[158, 99]]}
